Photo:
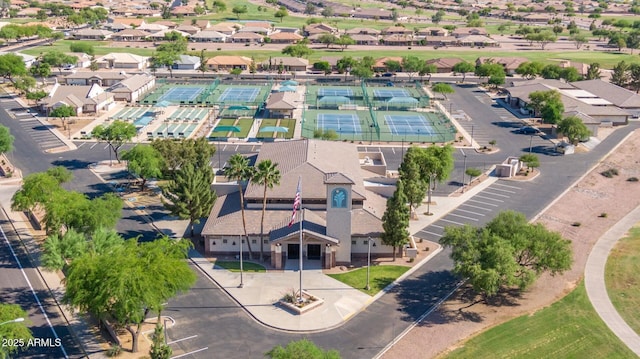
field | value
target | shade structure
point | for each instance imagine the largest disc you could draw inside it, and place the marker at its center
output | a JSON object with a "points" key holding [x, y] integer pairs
{"points": [[238, 108], [274, 129], [287, 89], [226, 129], [407, 100], [334, 99], [163, 104], [289, 83]]}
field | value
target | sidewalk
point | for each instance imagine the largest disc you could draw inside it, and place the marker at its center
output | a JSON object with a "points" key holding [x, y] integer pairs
{"points": [[594, 281], [262, 290]]}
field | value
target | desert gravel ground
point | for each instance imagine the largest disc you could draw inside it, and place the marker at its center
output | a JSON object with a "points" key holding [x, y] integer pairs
{"points": [[585, 202]]}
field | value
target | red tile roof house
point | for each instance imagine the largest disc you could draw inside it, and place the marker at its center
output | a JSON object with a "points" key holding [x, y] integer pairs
{"points": [[339, 214], [223, 63]]}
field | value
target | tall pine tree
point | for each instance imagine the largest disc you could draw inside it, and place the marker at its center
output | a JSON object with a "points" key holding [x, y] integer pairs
{"points": [[189, 195], [395, 220]]}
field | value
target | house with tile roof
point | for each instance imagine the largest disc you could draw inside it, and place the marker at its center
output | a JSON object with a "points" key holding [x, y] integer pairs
{"points": [[88, 78], [84, 99], [223, 62], [209, 36], [92, 34], [338, 213], [444, 64], [122, 60], [285, 37], [288, 64], [186, 62], [282, 104], [619, 96], [133, 88], [130, 35], [246, 37], [227, 28]]}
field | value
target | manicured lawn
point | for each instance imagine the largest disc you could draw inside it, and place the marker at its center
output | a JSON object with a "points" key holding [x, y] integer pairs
{"points": [[234, 266], [100, 47], [244, 124], [621, 277], [286, 122], [569, 328], [381, 276]]}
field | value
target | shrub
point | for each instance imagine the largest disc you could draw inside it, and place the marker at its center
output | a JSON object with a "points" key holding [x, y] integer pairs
{"points": [[610, 173], [576, 224], [632, 179], [603, 215], [114, 351]]}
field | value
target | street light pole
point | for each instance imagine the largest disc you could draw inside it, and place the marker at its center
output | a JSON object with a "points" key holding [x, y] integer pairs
{"points": [[17, 320], [241, 281], [471, 135], [464, 171], [530, 143], [368, 261]]}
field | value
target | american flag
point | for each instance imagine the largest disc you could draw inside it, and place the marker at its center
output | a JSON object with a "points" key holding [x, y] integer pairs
{"points": [[296, 204]]}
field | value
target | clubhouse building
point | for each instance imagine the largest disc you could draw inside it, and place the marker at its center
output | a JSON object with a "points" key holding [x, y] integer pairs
{"points": [[343, 199]]}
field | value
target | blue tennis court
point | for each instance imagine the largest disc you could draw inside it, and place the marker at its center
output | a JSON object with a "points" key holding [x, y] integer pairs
{"points": [[341, 123], [409, 125], [335, 91], [239, 94], [181, 94], [386, 93]]}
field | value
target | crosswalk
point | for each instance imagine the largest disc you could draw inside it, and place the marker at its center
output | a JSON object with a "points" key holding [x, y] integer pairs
{"points": [[476, 211]]}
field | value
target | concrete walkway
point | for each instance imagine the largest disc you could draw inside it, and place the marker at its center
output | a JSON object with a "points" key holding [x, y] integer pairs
{"points": [[594, 274]]}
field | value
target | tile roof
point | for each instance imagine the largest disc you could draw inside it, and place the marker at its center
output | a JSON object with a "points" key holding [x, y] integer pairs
{"points": [[229, 60], [282, 101], [610, 92]]}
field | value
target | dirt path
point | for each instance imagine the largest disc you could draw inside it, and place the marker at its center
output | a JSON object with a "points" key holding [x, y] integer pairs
{"points": [[602, 202]]}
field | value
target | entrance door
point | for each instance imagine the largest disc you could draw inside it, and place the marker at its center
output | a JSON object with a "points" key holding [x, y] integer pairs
{"points": [[293, 251], [313, 251]]}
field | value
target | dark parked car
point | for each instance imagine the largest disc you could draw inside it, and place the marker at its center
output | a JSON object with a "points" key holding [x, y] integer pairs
{"points": [[528, 130], [387, 74]]}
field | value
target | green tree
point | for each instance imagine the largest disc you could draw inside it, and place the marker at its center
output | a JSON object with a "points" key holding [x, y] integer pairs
{"points": [[236, 72], [634, 74], [166, 59], [239, 10], [571, 74], [58, 59], [548, 104], [24, 84], [438, 16], [129, 281], [189, 195], [393, 66], [345, 41], [327, 39], [297, 50], [281, 13], [38, 188], [543, 37], [63, 112], [36, 95], [530, 160], [593, 71], [144, 162], [176, 154], [219, 6], [413, 184], [411, 65], [203, 62], [507, 252], [362, 72], [82, 46], [6, 140], [303, 348], [323, 66], [436, 165], [489, 69], [159, 349], [327, 12], [266, 175], [115, 135], [345, 64], [443, 89], [13, 331], [395, 220], [574, 129], [579, 40], [11, 66], [551, 71], [620, 75], [530, 70], [41, 69], [427, 69], [462, 68], [472, 173], [238, 169]]}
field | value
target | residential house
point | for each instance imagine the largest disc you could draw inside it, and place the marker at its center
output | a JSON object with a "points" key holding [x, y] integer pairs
{"points": [[338, 216], [161, 35], [379, 65], [92, 34], [285, 38], [320, 28], [28, 12], [433, 31], [83, 61], [209, 36], [288, 64], [510, 64], [202, 24], [260, 24], [133, 88], [246, 37], [282, 104], [397, 30], [363, 31], [224, 63], [128, 21], [398, 40], [84, 99], [264, 31], [185, 10], [464, 31], [186, 62], [332, 60], [444, 64], [363, 39], [146, 13], [153, 27], [169, 24], [189, 29], [122, 60], [88, 78], [227, 28], [115, 27], [131, 35], [477, 40]]}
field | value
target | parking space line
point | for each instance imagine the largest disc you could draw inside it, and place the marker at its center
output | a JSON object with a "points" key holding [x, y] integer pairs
{"points": [[435, 225], [465, 217], [94, 145], [105, 147], [189, 353], [458, 223], [431, 233], [496, 194], [505, 185], [179, 340], [488, 204], [472, 206], [80, 145], [476, 213], [501, 190], [490, 199]]}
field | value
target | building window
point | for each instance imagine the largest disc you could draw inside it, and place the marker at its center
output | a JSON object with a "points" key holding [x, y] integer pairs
{"points": [[266, 241], [365, 242], [253, 241], [213, 243], [224, 241], [243, 241], [353, 243]]}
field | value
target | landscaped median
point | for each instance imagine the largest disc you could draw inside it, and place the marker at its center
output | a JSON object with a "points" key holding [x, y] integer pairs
{"points": [[234, 266], [621, 278], [380, 277]]}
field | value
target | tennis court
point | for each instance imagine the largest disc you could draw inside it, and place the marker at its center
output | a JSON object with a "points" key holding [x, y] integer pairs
{"points": [[335, 91], [239, 94], [339, 122], [409, 124], [182, 93], [388, 93]]}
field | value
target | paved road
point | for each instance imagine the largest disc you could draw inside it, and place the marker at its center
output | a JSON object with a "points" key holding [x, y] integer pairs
{"points": [[25, 287]]}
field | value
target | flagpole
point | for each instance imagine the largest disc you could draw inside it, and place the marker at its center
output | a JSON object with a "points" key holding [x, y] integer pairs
{"points": [[300, 214]]}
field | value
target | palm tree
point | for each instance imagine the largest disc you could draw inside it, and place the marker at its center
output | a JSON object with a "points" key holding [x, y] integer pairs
{"points": [[267, 175], [238, 169]]}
